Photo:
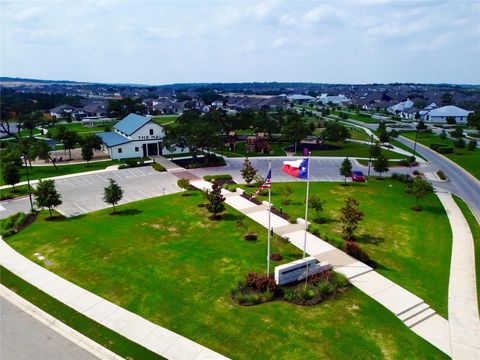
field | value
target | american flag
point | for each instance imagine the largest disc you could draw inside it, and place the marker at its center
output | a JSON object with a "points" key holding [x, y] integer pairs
{"points": [[266, 185]]}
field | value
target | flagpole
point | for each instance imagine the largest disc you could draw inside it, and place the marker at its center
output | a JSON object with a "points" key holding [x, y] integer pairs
{"points": [[269, 217], [306, 207]]}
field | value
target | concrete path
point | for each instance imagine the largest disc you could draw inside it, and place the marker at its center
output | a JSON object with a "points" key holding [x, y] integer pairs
{"points": [[167, 164], [462, 292], [409, 308], [151, 336]]}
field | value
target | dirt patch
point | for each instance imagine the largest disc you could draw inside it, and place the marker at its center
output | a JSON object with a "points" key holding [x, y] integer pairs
{"points": [[156, 226]]}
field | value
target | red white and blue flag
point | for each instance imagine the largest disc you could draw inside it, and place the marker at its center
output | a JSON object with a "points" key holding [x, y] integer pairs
{"points": [[266, 185], [297, 168]]}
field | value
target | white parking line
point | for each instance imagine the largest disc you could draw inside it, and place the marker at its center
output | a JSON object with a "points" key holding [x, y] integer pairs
{"points": [[82, 209], [101, 178], [69, 183], [88, 182]]}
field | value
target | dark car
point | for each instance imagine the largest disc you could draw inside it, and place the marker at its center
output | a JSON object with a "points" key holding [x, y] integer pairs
{"points": [[357, 176]]}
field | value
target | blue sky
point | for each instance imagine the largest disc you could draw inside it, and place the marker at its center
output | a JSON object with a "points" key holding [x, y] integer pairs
{"points": [[159, 42]]}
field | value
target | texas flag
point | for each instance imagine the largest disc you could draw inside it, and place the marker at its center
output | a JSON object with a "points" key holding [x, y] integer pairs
{"points": [[297, 168]]}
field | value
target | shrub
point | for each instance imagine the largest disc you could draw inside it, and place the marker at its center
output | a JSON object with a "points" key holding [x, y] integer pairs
{"points": [[184, 184], [12, 224], [338, 280], [305, 292], [441, 149], [260, 282], [472, 145], [355, 251], [289, 294], [217, 177], [158, 167], [324, 288], [404, 178]]}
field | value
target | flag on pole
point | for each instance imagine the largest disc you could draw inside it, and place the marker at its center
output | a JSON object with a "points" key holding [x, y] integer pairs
{"points": [[266, 185], [297, 168]]}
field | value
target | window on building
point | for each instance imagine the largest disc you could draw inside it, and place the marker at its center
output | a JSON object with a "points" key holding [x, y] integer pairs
{"points": [[119, 150], [151, 131], [136, 148]]}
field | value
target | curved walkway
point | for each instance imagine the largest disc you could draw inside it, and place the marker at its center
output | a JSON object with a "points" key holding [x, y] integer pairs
{"points": [[463, 315], [149, 335]]}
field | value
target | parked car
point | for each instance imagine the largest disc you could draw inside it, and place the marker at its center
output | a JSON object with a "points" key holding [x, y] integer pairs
{"points": [[357, 176]]}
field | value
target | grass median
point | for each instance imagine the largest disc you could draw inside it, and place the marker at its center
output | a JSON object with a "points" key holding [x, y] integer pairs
{"points": [[164, 260]]}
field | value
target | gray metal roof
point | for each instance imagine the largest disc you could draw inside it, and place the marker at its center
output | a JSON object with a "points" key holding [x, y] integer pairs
{"points": [[131, 123], [449, 110], [111, 138]]}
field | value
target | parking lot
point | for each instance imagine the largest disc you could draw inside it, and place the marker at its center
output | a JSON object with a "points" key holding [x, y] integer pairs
{"points": [[83, 194]]}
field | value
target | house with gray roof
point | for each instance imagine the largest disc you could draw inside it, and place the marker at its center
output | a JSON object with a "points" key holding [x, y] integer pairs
{"points": [[134, 136], [440, 115]]}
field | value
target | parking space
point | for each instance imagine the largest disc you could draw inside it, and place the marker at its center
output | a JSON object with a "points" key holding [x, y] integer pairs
{"points": [[84, 194]]}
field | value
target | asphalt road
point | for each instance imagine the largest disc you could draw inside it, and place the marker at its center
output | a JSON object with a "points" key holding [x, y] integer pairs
{"points": [[24, 338], [460, 182]]}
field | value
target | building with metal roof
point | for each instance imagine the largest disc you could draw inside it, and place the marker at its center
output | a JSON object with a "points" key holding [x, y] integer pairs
{"points": [[440, 115]]}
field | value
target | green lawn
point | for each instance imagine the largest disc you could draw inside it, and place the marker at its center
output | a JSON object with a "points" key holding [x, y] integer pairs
{"points": [[239, 151], [10, 194], [358, 117], [177, 271], [82, 130], [358, 134], [41, 172], [412, 248], [353, 149], [469, 160], [93, 330], [165, 119], [475, 229], [405, 147]]}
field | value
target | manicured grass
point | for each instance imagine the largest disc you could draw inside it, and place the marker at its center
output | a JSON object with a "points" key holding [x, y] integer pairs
{"points": [[10, 194], [475, 229], [469, 160], [165, 119], [358, 134], [405, 147], [163, 260], [41, 172], [353, 149], [79, 128], [359, 117], [412, 248], [93, 330]]}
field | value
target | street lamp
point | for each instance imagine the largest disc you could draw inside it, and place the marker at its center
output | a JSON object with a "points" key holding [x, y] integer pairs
{"points": [[414, 148], [28, 182], [370, 159]]}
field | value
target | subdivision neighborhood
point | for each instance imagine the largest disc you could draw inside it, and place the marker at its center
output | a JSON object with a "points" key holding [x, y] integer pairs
{"points": [[239, 180]]}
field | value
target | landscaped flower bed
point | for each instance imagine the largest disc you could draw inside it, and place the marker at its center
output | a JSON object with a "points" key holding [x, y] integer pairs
{"points": [[258, 288]]}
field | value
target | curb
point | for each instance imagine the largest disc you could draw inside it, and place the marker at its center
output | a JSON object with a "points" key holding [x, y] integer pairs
{"points": [[56, 325]]}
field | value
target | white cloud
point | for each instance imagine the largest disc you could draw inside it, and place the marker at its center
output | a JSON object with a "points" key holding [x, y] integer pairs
{"points": [[320, 13]]}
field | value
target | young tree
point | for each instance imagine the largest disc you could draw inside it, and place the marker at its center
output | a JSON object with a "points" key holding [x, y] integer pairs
{"points": [[87, 153], [70, 139], [451, 120], [335, 131], [443, 135], [11, 174], [112, 193], [421, 125], [384, 136], [459, 143], [457, 133], [420, 188], [380, 165], [350, 217], [215, 200], [346, 168], [316, 203], [472, 145], [46, 195], [248, 171], [375, 150]]}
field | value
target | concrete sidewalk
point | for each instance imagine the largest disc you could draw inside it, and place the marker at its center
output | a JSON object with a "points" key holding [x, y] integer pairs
{"points": [[409, 308], [149, 335], [462, 292]]}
